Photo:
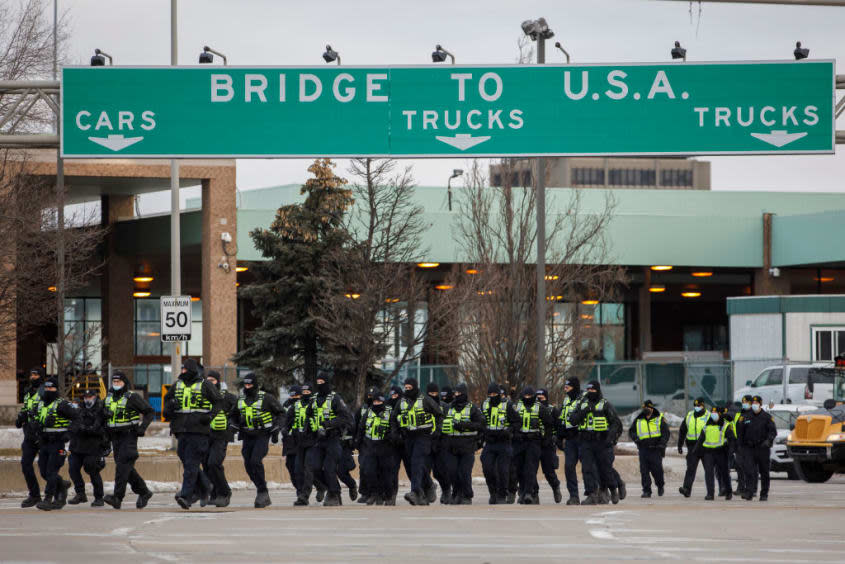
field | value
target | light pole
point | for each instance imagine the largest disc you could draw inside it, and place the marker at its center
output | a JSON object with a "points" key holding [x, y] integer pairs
{"points": [[679, 52], [800, 52], [538, 30], [455, 173], [559, 46], [99, 58], [60, 216], [331, 55], [207, 56], [175, 240], [439, 55]]}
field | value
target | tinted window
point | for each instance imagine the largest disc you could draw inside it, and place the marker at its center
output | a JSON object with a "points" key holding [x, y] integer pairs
{"points": [[775, 377], [798, 375], [821, 375], [761, 379]]}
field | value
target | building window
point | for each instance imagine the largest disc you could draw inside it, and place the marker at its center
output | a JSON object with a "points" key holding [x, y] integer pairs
{"points": [[632, 177], [496, 180], [148, 330], [84, 331], [526, 178], [828, 343], [674, 177], [588, 177]]}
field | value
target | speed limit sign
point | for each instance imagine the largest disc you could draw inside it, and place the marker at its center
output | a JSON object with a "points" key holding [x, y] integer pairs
{"points": [[175, 318]]}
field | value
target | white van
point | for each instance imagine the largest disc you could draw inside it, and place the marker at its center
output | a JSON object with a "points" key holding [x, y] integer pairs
{"points": [[791, 383]]}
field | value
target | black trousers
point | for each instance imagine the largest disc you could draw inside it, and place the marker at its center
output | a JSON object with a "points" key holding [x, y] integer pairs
{"points": [[345, 466], [651, 465], [213, 467], [526, 459], [715, 461], [496, 464], [92, 463], [757, 466], [378, 469], [290, 464], [398, 458], [693, 458], [598, 467], [549, 463], [440, 464], [254, 449], [616, 480], [459, 465], [29, 450], [321, 463], [51, 457], [571, 456], [125, 451], [418, 460], [740, 464], [192, 451], [363, 453]]}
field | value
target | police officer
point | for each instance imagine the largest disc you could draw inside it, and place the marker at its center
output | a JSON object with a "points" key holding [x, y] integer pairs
{"points": [[327, 417], [757, 433], [294, 426], [360, 444], [438, 456], [598, 427], [500, 421], [27, 420], [219, 439], [54, 417], [739, 458], [88, 444], [417, 418], [461, 425], [533, 418], [258, 418], [651, 434], [689, 432], [346, 464], [289, 436], [375, 435], [397, 442], [191, 404], [568, 433], [549, 461], [713, 444], [127, 417]]}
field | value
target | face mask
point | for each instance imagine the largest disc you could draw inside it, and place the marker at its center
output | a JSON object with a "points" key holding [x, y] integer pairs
{"points": [[648, 413], [746, 407], [324, 388], [411, 394], [49, 397], [369, 400], [593, 395], [714, 416], [495, 400], [755, 407], [378, 408], [89, 402], [460, 399], [117, 387], [698, 409], [250, 391], [528, 401]]}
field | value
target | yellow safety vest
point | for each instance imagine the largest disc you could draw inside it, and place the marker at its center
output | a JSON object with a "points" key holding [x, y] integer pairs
{"points": [[376, 426], [530, 418], [118, 415], [322, 412], [649, 428], [254, 415], [495, 416], [714, 435], [695, 424], [453, 416], [189, 399], [592, 422], [565, 409], [414, 417], [59, 425]]}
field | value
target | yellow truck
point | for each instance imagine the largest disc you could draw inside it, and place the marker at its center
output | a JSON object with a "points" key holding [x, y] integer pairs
{"points": [[817, 443]]}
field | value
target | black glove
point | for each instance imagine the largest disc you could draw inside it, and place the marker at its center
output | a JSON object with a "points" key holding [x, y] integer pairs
{"points": [[275, 437], [140, 432], [680, 449], [459, 425], [663, 452], [20, 420], [769, 444], [321, 433], [205, 419]]}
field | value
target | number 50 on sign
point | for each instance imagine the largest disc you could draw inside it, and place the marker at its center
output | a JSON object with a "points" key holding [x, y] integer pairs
{"points": [[175, 318]]}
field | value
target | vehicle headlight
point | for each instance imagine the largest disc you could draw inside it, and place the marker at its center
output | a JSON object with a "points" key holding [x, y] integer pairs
{"points": [[836, 437], [789, 438], [780, 441]]}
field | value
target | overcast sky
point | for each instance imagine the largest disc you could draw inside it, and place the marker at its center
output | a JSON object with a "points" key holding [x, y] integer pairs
{"points": [[380, 32]]}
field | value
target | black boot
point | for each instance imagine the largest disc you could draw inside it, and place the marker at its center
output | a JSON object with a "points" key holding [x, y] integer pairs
{"points": [[183, 502], [143, 499], [321, 494], [113, 501], [380, 500], [646, 494], [431, 494], [445, 496], [501, 500], [262, 499], [30, 501], [591, 499], [46, 504], [557, 494], [614, 496], [363, 499], [623, 490], [61, 497], [353, 492], [301, 501], [98, 502], [573, 501], [77, 499], [660, 491], [511, 498], [223, 500], [332, 500], [390, 500]]}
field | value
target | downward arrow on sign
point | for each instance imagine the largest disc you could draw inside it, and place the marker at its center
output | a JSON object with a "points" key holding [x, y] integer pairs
{"points": [[778, 138], [115, 142], [463, 141]]}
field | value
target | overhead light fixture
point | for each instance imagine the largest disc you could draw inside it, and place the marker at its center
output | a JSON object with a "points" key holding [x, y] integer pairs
{"points": [[207, 56], [824, 279], [551, 277], [661, 267], [586, 316], [444, 287], [330, 55], [143, 279], [195, 298], [51, 288], [484, 292], [237, 284], [391, 300], [99, 58], [691, 294], [428, 264], [800, 52], [590, 302], [472, 271], [679, 52], [241, 268], [140, 294], [439, 55], [353, 296], [656, 289], [702, 274], [537, 29]]}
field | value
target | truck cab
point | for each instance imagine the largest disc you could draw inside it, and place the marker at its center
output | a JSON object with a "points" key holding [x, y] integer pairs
{"points": [[817, 443]]}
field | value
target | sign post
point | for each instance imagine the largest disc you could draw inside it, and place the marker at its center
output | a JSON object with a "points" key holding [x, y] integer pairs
{"points": [[175, 318], [522, 110]]}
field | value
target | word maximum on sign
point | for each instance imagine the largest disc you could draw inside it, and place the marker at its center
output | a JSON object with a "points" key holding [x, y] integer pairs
{"points": [[175, 318], [521, 110]]}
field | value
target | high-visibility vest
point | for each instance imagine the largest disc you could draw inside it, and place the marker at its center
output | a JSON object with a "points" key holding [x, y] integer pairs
{"points": [[300, 408], [30, 404], [714, 435], [452, 417], [377, 425], [189, 399], [59, 424], [254, 415], [593, 422], [496, 416], [649, 428], [530, 418], [565, 409], [735, 420], [322, 412], [695, 424], [220, 421], [118, 414], [414, 417]]}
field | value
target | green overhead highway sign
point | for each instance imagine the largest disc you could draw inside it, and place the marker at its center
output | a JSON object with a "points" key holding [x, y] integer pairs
{"points": [[642, 109]]}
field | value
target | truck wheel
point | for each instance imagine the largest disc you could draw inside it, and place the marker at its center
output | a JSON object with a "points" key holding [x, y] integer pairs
{"points": [[812, 472]]}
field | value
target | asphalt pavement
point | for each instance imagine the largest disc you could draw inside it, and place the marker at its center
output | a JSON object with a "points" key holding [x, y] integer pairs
{"points": [[800, 523]]}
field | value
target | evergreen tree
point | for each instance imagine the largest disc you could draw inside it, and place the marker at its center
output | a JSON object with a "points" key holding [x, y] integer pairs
{"points": [[292, 280]]}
